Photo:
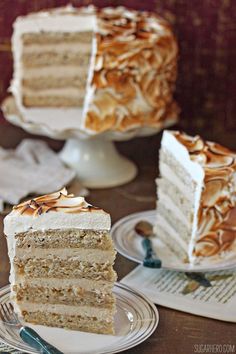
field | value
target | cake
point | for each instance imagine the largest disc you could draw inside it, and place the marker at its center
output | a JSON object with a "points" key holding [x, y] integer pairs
{"points": [[196, 207], [94, 70], [62, 257]]}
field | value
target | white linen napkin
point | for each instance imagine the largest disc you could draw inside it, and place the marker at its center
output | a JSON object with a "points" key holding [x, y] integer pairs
{"points": [[32, 168]]}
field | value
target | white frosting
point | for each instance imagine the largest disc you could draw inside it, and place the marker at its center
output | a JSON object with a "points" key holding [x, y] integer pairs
{"points": [[15, 223], [55, 22], [90, 89], [180, 153]]}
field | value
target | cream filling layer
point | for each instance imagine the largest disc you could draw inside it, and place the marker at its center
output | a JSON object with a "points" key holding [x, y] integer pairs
{"points": [[169, 229], [169, 204], [102, 314], [73, 254], [97, 286], [59, 92]]}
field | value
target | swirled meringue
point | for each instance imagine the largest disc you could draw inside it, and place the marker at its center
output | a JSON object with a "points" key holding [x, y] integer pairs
{"points": [[54, 211], [216, 224]]}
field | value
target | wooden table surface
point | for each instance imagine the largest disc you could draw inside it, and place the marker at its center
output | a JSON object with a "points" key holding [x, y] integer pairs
{"points": [[178, 332]]}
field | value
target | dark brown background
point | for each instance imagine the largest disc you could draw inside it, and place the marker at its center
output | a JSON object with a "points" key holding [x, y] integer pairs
{"points": [[206, 31]]}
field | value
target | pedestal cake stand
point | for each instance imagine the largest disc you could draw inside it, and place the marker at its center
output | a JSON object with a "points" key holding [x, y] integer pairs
{"points": [[95, 158]]}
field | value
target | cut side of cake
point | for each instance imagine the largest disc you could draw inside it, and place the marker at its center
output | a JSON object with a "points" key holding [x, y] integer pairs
{"points": [[196, 192], [95, 70], [62, 257]]}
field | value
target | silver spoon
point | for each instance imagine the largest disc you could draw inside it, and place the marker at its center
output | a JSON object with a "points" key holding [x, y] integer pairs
{"points": [[145, 230]]}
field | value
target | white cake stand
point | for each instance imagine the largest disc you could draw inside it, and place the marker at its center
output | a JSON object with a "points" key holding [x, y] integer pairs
{"points": [[95, 158]]}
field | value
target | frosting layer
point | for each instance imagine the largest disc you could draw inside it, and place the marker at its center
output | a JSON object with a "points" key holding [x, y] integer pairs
{"points": [[53, 211]]}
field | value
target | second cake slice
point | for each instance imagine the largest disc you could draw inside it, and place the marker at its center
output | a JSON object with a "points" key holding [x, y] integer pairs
{"points": [[62, 259]]}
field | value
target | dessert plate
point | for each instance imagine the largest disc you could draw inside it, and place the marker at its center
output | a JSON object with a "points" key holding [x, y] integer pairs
{"points": [[135, 320], [129, 245]]}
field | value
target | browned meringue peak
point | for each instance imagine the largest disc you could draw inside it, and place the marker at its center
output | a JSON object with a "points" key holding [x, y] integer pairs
{"points": [[221, 237], [217, 230], [214, 192], [210, 155], [59, 201], [219, 166]]}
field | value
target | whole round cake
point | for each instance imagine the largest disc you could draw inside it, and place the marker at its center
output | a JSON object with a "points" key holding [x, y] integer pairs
{"points": [[95, 70]]}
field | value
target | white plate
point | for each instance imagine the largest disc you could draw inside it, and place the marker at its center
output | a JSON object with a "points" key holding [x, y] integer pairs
{"points": [[129, 245], [135, 320]]}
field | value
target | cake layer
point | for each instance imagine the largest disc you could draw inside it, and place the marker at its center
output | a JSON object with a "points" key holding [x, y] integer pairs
{"points": [[66, 72], [85, 324], [67, 254], [59, 238], [69, 92], [171, 231], [176, 198], [99, 286], [52, 101], [67, 46], [167, 201], [40, 83], [69, 296], [172, 219], [172, 170], [68, 268], [53, 58], [60, 37]]}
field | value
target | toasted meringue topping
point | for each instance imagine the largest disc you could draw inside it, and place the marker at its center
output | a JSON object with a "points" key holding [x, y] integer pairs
{"points": [[216, 224], [59, 201], [210, 155], [135, 70]]}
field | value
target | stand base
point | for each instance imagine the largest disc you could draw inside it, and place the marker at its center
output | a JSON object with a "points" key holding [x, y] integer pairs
{"points": [[97, 162]]}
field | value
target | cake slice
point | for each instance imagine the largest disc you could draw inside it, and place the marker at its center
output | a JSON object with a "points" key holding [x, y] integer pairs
{"points": [[62, 257], [196, 208]]}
